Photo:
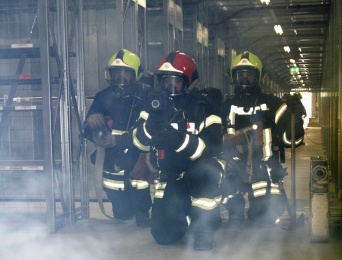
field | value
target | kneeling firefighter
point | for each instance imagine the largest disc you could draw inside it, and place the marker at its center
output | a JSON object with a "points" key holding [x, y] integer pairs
{"points": [[257, 129], [112, 114], [184, 127]]}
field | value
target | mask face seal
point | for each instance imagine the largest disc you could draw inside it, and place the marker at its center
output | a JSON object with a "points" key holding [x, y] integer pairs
{"points": [[121, 76], [174, 85], [245, 77], [246, 83]]}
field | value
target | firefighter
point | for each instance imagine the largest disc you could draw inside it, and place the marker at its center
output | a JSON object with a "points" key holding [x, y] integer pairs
{"points": [[257, 129], [112, 114], [183, 128]]}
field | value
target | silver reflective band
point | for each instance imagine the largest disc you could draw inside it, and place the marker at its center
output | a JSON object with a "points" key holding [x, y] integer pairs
{"points": [[184, 144], [213, 119], [113, 185], [137, 144], [205, 203], [139, 184], [120, 173], [199, 150]]}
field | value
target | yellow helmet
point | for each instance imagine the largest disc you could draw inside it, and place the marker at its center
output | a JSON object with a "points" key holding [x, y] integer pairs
{"points": [[123, 68]]}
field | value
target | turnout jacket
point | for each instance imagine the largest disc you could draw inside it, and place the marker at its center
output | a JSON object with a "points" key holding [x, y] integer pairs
{"points": [[261, 127], [198, 118], [121, 107]]}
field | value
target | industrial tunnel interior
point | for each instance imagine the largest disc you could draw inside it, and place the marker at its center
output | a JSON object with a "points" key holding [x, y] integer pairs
{"points": [[53, 56]]}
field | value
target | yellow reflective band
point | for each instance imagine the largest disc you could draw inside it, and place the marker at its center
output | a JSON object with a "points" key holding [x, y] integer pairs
{"points": [[139, 184], [120, 173], [145, 131], [222, 163], [259, 193], [288, 142], [160, 185], [118, 132], [267, 147], [275, 191], [159, 194], [144, 115], [184, 144], [205, 203], [281, 110], [231, 131], [213, 119], [113, 185], [199, 150], [259, 185], [137, 144]]}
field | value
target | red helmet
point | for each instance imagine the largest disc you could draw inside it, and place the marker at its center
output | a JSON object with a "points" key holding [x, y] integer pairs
{"points": [[177, 65]]}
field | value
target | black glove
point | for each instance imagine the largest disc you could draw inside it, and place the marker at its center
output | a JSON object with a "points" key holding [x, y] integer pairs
{"points": [[155, 122], [167, 138]]}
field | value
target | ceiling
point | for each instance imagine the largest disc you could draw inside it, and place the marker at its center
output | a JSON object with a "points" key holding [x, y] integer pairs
{"points": [[250, 26]]}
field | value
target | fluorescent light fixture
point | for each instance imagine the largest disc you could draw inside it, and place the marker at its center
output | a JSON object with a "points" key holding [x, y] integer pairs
{"points": [[278, 29], [287, 49], [267, 2], [300, 49], [292, 61]]}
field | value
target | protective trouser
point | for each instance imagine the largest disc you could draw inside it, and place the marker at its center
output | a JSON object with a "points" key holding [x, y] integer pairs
{"points": [[196, 195], [266, 202], [129, 197]]}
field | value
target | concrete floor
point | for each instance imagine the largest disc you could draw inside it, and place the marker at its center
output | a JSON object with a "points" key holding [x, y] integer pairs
{"points": [[101, 238]]}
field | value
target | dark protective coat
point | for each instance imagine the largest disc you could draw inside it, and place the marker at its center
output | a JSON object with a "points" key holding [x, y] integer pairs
{"points": [[121, 107], [253, 155], [190, 172]]}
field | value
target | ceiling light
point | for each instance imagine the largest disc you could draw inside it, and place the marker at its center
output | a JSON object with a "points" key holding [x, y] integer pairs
{"points": [[278, 29], [265, 2], [292, 61], [300, 49], [287, 49]]}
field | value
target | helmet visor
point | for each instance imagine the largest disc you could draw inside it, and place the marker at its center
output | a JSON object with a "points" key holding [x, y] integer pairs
{"points": [[121, 76], [172, 84], [245, 77]]}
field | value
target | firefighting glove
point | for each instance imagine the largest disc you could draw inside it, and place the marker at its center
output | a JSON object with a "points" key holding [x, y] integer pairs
{"points": [[101, 134], [167, 138], [155, 122]]}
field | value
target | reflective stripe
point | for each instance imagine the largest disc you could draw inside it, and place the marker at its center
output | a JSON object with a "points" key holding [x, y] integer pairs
{"points": [[259, 185], [267, 147], [137, 143], [159, 188], [231, 131], [259, 193], [199, 150], [281, 110], [139, 184], [213, 119], [120, 173], [144, 115], [205, 203], [145, 131], [222, 163], [113, 185], [235, 110], [288, 142], [184, 144], [159, 194], [275, 191], [118, 132]]}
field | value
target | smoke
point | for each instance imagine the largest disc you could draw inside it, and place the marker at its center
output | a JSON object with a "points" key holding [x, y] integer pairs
{"points": [[34, 242]]}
